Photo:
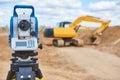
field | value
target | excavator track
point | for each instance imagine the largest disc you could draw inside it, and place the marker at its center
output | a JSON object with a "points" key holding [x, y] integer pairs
{"points": [[58, 42], [68, 42], [78, 42]]}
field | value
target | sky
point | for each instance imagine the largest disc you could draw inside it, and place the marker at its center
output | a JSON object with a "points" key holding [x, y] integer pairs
{"points": [[50, 12]]}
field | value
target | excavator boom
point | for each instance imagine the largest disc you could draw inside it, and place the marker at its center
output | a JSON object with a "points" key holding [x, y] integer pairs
{"points": [[87, 18]]}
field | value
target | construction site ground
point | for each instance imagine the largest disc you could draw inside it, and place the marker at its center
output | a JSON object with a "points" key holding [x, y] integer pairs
{"points": [[90, 62]]}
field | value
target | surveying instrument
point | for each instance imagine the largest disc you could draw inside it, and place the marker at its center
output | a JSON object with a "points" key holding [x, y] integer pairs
{"points": [[23, 41]]}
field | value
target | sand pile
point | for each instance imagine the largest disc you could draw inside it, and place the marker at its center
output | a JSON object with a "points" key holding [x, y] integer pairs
{"points": [[111, 36]]}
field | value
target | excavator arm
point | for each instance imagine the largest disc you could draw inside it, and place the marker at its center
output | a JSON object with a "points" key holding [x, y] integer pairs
{"points": [[104, 26], [103, 23], [94, 37]]}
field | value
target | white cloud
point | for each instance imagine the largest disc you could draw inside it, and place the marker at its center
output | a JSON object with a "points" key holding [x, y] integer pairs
{"points": [[109, 10], [54, 3], [55, 10], [7, 1], [102, 5], [5, 16], [51, 12]]}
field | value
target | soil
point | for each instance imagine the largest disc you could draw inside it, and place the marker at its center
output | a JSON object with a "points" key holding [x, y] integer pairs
{"points": [[90, 62]]}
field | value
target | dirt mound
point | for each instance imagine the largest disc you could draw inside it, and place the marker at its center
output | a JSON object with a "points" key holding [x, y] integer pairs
{"points": [[85, 36], [110, 41], [110, 35], [4, 29], [4, 40]]}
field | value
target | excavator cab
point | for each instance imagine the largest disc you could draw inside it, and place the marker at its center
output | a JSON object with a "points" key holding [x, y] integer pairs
{"points": [[64, 24]]}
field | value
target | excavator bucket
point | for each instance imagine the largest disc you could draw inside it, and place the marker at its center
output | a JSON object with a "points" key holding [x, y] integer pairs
{"points": [[94, 40], [90, 39]]}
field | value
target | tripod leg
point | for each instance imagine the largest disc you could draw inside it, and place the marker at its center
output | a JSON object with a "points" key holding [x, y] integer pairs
{"points": [[42, 79], [39, 74], [10, 75]]}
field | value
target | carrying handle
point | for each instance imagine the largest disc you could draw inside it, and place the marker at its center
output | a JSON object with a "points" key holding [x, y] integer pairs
{"points": [[23, 7]]}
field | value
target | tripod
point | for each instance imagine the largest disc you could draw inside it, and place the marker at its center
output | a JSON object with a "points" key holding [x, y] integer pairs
{"points": [[24, 66]]}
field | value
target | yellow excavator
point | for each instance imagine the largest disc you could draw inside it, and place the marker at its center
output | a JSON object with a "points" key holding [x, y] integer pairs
{"points": [[69, 36]]}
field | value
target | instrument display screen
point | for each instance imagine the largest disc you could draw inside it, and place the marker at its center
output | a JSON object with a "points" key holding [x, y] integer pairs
{"points": [[21, 44]]}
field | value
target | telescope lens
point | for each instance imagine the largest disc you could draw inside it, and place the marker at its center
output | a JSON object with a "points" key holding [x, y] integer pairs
{"points": [[24, 25]]}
